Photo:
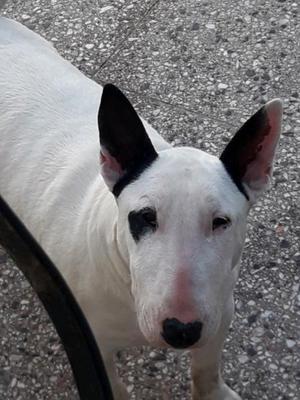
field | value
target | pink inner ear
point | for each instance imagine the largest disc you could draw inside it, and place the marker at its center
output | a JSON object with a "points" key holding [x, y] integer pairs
{"points": [[110, 162], [260, 169]]}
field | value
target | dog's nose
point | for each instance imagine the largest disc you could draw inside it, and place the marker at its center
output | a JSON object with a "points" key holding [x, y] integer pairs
{"points": [[180, 335]]}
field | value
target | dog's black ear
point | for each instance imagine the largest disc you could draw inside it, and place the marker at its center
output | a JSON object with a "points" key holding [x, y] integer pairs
{"points": [[248, 158], [126, 149]]}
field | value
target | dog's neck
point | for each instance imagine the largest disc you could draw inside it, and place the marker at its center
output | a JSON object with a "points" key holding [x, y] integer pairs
{"points": [[103, 248]]}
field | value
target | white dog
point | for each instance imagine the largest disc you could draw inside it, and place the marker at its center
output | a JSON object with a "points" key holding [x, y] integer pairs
{"points": [[151, 246]]}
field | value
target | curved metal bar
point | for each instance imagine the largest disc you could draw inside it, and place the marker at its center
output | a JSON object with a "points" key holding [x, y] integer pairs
{"points": [[67, 317]]}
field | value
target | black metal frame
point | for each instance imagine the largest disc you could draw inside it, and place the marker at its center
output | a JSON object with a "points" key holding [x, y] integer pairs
{"points": [[67, 317]]}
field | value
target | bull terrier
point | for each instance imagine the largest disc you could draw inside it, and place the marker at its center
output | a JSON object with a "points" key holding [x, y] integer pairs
{"points": [[147, 235]]}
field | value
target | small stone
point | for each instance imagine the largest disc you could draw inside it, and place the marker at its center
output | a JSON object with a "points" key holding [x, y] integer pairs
{"points": [[104, 9], [266, 76], [256, 266], [195, 26], [13, 382], [145, 86], [268, 314], [25, 284], [25, 17], [210, 25], [159, 364], [290, 343], [296, 258], [284, 244], [222, 86], [15, 358], [250, 72], [89, 46], [252, 319], [283, 23], [130, 388], [243, 359], [258, 332], [251, 351]]}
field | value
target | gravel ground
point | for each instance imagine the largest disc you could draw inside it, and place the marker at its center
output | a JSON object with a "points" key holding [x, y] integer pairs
{"points": [[195, 70]]}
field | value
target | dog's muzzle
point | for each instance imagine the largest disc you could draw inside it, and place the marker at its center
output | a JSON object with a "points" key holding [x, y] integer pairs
{"points": [[180, 335]]}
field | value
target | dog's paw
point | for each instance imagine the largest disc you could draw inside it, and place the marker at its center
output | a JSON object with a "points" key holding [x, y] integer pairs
{"points": [[227, 394], [222, 392], [120, 392]]}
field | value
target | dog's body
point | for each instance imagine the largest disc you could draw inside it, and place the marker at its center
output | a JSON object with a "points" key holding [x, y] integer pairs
{"points": [[151, 248]]}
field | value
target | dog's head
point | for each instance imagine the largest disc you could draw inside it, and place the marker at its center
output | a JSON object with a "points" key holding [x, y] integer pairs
{"points": [[182, 217]]}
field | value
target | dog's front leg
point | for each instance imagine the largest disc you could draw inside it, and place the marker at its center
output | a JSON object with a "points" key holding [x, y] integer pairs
{"points": [[207, 382], [117, 386]]}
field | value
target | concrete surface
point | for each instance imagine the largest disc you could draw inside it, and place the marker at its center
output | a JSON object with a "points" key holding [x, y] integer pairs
{"points": [[195, 70]]}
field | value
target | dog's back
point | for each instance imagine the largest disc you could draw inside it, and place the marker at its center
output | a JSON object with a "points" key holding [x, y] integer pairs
{"points": [[48, 131]]}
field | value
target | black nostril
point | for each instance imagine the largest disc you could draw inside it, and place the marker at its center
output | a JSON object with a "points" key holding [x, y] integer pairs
{"points": [[180, 335]]}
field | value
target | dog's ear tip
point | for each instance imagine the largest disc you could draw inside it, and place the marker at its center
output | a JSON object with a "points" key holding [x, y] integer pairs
{"points": [[109, 86], [109, 89], [274, 111], [274, 107], [110, 95]]}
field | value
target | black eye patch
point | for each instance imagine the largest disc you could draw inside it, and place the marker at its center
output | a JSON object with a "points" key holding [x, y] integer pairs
{"points": [[142, 222]]}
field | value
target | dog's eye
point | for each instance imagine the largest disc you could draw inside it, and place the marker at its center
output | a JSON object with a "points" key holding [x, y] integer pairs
{"points": [[142, 222], [220, 222], [149, 216]]}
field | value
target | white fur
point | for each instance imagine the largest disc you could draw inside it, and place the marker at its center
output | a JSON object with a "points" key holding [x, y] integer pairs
{"points": [[50, 175]]}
